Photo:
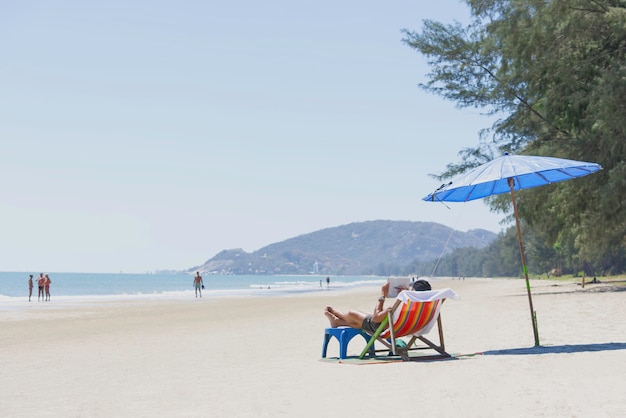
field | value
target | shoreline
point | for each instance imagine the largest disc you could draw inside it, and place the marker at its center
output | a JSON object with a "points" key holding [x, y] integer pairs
{"points": [[260, 356], [91, 285], [21, 303]]}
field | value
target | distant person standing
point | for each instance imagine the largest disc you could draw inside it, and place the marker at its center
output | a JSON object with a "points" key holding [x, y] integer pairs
{"points": [[47, 287], [30, 287], [41, 282], [327, 281], [198, 284]]}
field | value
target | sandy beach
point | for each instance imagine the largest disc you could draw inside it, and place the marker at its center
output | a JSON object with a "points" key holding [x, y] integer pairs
{"points": [[260, 357]]}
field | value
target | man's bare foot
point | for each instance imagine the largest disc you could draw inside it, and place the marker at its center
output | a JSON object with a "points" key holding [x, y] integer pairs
{"points": [[334, 321], [332, 311]]}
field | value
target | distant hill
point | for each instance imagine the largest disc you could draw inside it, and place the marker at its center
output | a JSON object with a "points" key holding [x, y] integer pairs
{"points": [[358, 248]]}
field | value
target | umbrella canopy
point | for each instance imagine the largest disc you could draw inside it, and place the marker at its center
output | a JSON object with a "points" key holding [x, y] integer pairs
{"points": [[508, 174], [492, 178]]}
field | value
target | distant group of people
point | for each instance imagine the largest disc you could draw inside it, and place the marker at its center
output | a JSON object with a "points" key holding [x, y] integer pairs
{"points": [[43, 286], [327, 282]]}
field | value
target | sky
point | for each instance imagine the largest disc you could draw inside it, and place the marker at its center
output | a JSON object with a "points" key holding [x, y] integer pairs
{"points": [[151, 135]]}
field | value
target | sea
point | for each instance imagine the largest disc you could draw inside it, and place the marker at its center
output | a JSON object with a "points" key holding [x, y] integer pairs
{"points": [[84, 287]]}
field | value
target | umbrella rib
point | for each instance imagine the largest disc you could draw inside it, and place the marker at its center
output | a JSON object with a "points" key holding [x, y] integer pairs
{"points": [[544, 177]]}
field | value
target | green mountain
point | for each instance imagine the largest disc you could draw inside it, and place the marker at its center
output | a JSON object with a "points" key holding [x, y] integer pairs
{"points": [[360, 248]]}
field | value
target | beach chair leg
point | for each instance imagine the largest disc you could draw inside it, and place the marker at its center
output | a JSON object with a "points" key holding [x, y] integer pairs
{"points": [[440, 327]]}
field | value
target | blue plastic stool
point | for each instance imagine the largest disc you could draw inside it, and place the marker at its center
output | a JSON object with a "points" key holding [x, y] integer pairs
{"points": [[344, 335]]}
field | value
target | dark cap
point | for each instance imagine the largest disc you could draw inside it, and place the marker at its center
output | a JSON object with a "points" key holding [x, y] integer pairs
{"points": [[420, 285]]}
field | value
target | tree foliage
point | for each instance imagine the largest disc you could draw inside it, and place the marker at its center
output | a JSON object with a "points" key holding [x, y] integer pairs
{"points": [[554, 72]]}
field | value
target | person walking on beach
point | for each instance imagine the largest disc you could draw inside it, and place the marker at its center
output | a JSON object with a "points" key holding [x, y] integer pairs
{"points": [[47, 287], [198, 284], [30, 287], [41, 282], [327, 281]]}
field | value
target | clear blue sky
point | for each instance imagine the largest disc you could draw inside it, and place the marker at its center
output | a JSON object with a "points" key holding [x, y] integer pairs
{"points": [[145, 135]]}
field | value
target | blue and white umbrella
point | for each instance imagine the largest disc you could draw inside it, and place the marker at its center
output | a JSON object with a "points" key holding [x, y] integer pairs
{"points": [[527, 171], [508, 174]]}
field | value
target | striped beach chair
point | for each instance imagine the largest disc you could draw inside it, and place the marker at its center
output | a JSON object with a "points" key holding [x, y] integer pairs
{"points": [[413, 315]]}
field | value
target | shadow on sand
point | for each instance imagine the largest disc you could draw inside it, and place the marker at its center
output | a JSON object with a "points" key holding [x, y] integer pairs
{"points": [[557, 349]]}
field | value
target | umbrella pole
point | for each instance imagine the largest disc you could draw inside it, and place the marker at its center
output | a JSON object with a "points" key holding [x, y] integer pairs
{"points": [[533, 314]]}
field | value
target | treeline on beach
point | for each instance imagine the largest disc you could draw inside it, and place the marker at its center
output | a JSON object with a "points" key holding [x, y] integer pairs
{"points": [[502, 259]]}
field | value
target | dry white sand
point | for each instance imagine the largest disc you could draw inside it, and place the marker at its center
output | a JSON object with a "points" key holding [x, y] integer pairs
{"points": [[260, 357]]}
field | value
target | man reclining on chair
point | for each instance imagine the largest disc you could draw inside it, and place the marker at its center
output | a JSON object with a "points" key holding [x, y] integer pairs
{"points": [[367, 322]]}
